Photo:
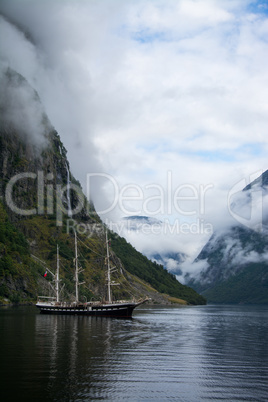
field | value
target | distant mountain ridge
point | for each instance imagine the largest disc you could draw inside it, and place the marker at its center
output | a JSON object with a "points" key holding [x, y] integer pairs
{"points": [[141, 218], [170, 259], [236, 260]]}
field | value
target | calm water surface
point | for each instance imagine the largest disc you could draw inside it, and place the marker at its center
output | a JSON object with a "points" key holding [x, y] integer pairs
{"points": [[163, 353]]}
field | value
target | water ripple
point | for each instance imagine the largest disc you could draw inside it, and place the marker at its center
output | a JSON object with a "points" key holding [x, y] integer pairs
{"points": [[181, 354]]}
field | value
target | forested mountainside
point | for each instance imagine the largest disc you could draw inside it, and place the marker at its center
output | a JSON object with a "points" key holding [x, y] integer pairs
{"points": [[41, 206], [236, 260]]}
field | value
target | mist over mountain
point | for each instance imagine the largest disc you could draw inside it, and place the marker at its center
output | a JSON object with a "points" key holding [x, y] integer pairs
{"points": [[171, 261], [233, 265], [147, 234], [21, 108]]}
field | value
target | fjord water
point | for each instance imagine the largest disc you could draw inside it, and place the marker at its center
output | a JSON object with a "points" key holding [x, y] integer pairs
{"points": [[163, 353]]}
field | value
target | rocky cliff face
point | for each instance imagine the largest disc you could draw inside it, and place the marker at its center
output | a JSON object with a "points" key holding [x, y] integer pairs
{"points": [[39, 195], [34, 167]]}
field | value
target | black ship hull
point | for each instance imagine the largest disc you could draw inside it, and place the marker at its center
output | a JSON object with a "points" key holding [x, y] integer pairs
{"points": [[116, 310]]}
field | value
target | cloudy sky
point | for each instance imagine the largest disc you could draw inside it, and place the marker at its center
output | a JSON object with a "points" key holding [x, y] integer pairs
{"points": [[161, 104]]}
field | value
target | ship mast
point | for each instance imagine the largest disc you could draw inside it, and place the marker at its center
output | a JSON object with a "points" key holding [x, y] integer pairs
{"points": [[77, 271], [57, 280], [108, 271]]}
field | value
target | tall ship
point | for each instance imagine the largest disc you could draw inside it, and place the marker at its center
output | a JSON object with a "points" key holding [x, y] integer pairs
{"points": [[109, 308]]}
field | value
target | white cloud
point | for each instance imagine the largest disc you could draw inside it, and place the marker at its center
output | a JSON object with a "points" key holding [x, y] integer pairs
{"points": [[193, 269], [140, 88]]}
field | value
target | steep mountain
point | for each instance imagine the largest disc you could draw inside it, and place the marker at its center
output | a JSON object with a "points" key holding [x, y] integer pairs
{"points": [[235, 261], [41, 206]]}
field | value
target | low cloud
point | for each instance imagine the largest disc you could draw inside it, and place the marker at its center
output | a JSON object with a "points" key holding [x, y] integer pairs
{"points": [[192, 270], [21, 109], [137, 89]]}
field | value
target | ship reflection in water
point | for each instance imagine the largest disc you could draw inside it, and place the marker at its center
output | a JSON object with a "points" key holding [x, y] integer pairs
{"points": [[188, 353]]}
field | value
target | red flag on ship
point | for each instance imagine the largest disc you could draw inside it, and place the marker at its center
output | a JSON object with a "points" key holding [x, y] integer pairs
{"points": [[45, 274]]}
